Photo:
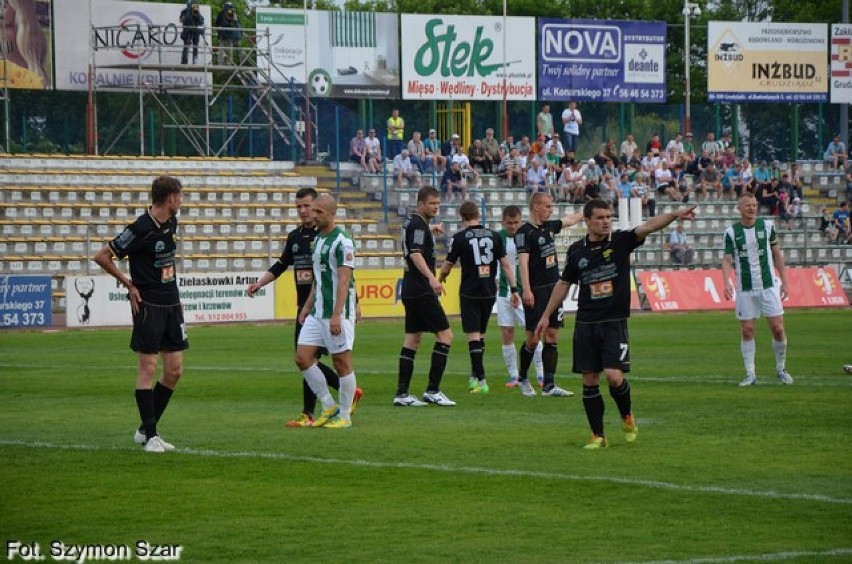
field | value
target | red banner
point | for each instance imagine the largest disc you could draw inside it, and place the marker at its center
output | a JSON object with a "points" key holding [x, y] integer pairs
{"points": [[687, 290]]}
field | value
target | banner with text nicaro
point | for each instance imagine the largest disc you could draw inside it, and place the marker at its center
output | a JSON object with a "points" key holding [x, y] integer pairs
{"points": [[462, 58], [601, 61], [135, 43], [767, 62], [98, 301], [841, 64], [349, 54]]}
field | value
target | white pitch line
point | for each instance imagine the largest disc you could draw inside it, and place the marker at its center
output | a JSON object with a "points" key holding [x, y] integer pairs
{"points": [[756, 557], [520, 473]]}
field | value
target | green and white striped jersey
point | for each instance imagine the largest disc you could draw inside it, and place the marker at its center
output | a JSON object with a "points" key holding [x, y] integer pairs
{"points": [[330, 252], [512, 255], [751, 248]]}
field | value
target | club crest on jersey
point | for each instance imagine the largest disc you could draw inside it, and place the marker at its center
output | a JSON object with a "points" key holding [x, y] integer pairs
{"points": [[296, 248], [607, 253], [582, 263], [159, 247], [541, 241]]}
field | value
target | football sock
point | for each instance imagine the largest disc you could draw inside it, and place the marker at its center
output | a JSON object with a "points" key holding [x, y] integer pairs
{"points": [[621, 395], [594, 406], [510, 357], [309, 398], [780, 348], [549, 358], [147, 413], [162, 395], [439, 362], [475, 350], [747, 348], [526, 360], [330, 375], [406, 369], [537, 362], [315, 379], [347, 394]]}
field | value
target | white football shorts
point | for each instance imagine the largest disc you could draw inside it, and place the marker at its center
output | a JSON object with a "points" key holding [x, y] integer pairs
{"points": [[508, 316], [754, 303], [317, 333]]}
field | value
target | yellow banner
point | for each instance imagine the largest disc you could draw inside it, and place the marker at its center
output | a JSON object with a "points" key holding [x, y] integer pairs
{"points": [[377, 290]]}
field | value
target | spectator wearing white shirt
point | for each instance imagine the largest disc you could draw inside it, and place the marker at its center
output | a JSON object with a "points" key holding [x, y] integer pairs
{"points": [[403, 169], [536, 178], [571, 122], [560, 150], [628, 146], [665, 182], [676, 146], [680, 250]]}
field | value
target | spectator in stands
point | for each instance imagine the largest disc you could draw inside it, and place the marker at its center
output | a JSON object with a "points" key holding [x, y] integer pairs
{"points": [[396, 133], [608, 191], [775, 170], [374, 151], [193, 28], [479, 157], [690, 159], [835, 154], [732, 182], [524, 148], [654, 145], [786, 187], [606, 151], [537, 146], [796, 179], [728, 159], [649, 164], [403, 169], [555, 141], [725, 141], [748, 177], [229, 33], [454, 182], [711, 147], [762, 181], [572, 184], [841, 222], [358, 152], [628, 147], [464, 165], [510, 169], [710, 183], [826, 226], [665, 182], [784, 208], [492, 148], [553, 164], [796, 212], [432, 148], [418, 155], [627, 188], [544, 123], [675, 146], [450, 148], [571, 122], [680, 249], [507, 145], [592, 176], [536, 178]]}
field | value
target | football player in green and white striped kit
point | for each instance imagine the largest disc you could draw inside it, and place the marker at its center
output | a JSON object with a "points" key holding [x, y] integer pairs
{"points": [[328, 316], [753, 253]]}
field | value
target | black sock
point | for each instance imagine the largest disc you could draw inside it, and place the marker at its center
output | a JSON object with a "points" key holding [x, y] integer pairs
{"points": [[482, 346], [440, 352], [331, 377], [621, 395], [309, 399], [147, 412], [525, 361], [549, 358], [594, 406], [406, 369], [162, 395], [476, 368]]}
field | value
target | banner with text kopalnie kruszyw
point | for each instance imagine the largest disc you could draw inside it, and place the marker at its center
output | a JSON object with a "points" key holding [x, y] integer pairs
{"points": [[601, 61], [767, 62], [463, 57]]}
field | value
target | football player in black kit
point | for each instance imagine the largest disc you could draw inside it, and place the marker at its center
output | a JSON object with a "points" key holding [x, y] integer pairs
{"points": [[158, 327], [480, 250], [539, 269], [600, 264], [297, 253], [423, 311]]}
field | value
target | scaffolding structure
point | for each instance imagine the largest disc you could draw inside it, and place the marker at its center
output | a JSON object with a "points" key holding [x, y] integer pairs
{"points": [[214, 76]]}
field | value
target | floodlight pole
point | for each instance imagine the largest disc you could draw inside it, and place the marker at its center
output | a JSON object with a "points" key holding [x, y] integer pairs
{"points": [[309, 152]]}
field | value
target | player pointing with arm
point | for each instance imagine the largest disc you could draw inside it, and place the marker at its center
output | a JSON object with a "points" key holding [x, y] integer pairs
{"points": [[600, 264]]}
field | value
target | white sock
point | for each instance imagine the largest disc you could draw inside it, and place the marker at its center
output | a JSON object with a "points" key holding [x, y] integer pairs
{"points": [[346, 394], [510, 357], [747, 348], [539, 367], [780, 348], [316, 381]]}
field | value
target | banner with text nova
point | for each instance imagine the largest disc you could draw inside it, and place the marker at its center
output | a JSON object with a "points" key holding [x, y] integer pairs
{"points": [[601, 61], [767, 62], [462, 58], [135, 43]]}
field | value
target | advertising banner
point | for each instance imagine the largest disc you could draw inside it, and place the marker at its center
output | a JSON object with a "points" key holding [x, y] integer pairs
{"points": [[349, 54], [26, 34], [841, 64], [128, 35], [685, 290], [25, 301], [767, 62], [97, 301], [462, 58], [601, 61]]}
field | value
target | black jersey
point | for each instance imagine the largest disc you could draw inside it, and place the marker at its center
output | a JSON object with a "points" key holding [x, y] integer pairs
{"points": [[602, 269], [297, 253], [417, 238], [480, 250], [537, 242], [150, 248]]}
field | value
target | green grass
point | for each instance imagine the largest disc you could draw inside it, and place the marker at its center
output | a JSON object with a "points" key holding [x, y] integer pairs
{"points": [[718, 472]]}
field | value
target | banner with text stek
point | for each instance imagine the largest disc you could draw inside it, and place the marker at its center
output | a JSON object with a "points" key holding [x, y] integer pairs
{"points": [[462, 58], [135, 43], [601, 61], [25, 301], [841, 63], [98, 301], [767, 62]]}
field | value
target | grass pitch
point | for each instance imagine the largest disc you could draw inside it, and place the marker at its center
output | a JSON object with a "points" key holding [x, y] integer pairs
{"points": [[718, 474]]}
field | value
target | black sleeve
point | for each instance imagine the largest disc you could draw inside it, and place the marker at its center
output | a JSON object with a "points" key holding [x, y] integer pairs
{"points": [[415, 236], [129, 240], [286, 260], [570, 274], [554, 226], [521, 241], [499, 248], [455, 246]]}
